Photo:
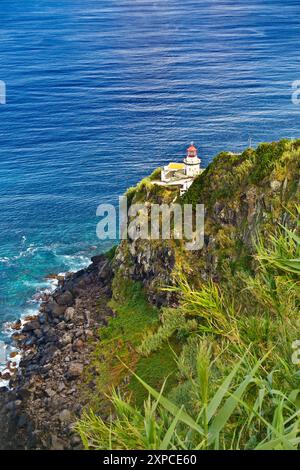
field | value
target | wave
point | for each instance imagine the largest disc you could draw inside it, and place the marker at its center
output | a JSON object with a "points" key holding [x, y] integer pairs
{"points": [[70, 261], [41, 287], [32, 249], [75, 262]]}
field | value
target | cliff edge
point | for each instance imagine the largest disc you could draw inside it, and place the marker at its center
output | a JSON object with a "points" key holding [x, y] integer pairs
{"points": [[98, 320]]}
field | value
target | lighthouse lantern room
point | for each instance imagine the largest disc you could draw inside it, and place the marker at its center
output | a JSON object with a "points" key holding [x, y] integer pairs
{"points": [[192, 162]]}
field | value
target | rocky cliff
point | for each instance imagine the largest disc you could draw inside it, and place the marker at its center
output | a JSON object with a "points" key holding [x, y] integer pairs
{"points": [[244, 195], [45, 399]]}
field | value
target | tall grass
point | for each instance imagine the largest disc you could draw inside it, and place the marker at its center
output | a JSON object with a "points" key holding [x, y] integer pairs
{"points": [[205, 311], [208, 305], [283, 252], [237, 387], [227, 419]]}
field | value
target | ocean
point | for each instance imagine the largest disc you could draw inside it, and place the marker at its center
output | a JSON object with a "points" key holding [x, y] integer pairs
{"points": [[101, 92]]}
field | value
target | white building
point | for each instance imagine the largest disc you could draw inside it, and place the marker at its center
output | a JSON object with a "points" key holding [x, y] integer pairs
{"points": [[192, 162], [182, 174]]}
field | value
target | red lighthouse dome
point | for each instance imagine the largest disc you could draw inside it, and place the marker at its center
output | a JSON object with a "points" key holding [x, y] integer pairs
{"points": [[192, 151]]}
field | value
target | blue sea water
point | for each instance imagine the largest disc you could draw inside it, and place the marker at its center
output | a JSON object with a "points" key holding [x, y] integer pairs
{"points": [[100, 92]]}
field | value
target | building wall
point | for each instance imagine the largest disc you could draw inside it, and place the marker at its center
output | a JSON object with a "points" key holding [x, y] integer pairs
{"points": [[192, 166]]}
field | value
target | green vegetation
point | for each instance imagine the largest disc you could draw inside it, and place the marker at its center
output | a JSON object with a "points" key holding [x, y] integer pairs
{"points": [[111, 252], [236, 386], [230, 174], [243, 195], [119, 341], [282, 255], [153, 369], [224, 419], [266, 157], [213, 369], [146, 190]]}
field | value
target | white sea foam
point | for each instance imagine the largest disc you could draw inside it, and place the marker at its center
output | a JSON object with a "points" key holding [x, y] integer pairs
{"points": [[73, 263], [29, 251]]}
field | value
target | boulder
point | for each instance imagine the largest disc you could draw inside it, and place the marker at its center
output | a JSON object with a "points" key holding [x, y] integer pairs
{"points": [[5, 376], [17, 325], [75, 370], [69, 313], [76, 441], [78, 345], [56, 443], [89, 333], [65, 417], [55, 309], [30, 341], [66, 339], [61, 387], [65, 299], [98, 259], [31, 325], [42, 318], [13, 354], [49, 392], [38, 333]]}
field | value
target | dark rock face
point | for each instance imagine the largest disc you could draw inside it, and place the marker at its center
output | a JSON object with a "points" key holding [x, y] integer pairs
{"points": [[151, 263], [45, 396], [236, 209], [65, 299]]}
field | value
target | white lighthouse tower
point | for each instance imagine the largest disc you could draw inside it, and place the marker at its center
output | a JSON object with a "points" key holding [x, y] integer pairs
{"points": [[192, 162]]}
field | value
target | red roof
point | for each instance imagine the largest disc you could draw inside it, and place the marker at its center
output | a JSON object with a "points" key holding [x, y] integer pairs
{"points": [[192, 148]]}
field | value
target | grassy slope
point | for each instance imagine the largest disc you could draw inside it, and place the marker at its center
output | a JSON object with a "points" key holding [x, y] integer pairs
{"points": [[234, 183], [260, 303], [229, 174], [119, 341]]}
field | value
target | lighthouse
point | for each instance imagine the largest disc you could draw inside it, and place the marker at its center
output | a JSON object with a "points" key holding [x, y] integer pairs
{"points": [[192, 162], [181, 174]]}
